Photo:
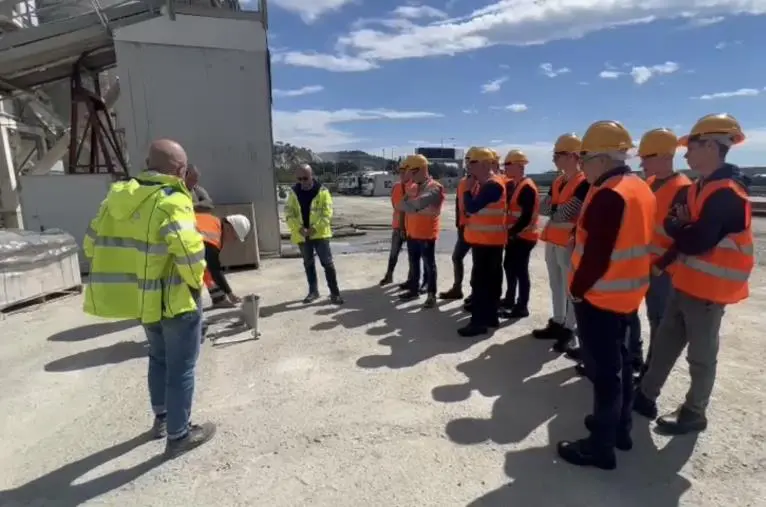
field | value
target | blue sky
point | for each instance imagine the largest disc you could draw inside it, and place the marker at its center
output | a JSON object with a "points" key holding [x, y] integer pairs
{"points": [[387, 76]]}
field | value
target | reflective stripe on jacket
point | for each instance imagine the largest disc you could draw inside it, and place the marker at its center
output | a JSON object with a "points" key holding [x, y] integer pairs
{"points": [[147, 259], [210, 227], [487, 226], [397, 193], [531, 231], [558, 233], [665, 195], [624, 285], [320, 217], [720, 275], [426, 223]]}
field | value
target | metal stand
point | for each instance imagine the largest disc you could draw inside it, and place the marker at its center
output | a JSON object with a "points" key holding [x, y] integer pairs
{"points": [[106, 154]]}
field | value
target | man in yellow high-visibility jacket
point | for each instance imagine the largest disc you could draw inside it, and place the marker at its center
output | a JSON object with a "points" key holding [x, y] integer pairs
{"points": [[147, 260]]}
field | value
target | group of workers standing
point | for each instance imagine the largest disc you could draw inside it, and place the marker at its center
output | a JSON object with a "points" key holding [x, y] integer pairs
{"points": [[612, 240]]}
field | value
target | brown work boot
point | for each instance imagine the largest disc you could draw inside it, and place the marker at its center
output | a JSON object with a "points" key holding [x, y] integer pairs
{"points": [[681, 422]]}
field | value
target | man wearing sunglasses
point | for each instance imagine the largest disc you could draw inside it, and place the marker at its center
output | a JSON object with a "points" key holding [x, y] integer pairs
{"points": [[711, 260], [422, 207], [308, 212]]}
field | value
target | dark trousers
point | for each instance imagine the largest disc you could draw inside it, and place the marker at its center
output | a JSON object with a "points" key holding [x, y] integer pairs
{"points": [[660, 288], [425, 250], [516, 266], [604, 337], [486, 283], [397, 242], [320, 247], [458, 256], [635, 342]]}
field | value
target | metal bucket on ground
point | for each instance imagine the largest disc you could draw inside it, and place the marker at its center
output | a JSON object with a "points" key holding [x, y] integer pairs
{"points": [[250, 308]]}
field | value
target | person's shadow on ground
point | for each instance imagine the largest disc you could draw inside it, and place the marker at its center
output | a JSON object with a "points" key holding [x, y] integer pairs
{"points": [[94, 330], [58, 487], [414, 334], [111, 354], [525, 402]]}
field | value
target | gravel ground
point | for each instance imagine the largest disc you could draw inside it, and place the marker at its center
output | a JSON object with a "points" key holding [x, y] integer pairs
{"points": [[374, 403]]}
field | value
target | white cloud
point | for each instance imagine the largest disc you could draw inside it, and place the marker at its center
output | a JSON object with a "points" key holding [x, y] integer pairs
{"points": [[641, 73], [470, 111], [583, 83], [504, 66], [306, 90], [319, 130], [339, 63], [702, 22], [742, 92], [524, 22], [310, 10], [494, 85], [550, 71], [516, 108], [609, 74], [419, 11], [725, 44]]}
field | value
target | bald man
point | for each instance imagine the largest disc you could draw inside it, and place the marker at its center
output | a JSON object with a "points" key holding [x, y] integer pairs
{"points": [[308, 212], [147, 262]]}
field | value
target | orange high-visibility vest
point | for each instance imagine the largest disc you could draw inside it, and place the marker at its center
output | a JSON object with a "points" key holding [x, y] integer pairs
{"points": [[558, 233], [530, 232], [462, 188], [397, 193], [424, 224], [487, 226], [665, 195], [720, 275], [624, 285], [210, 227]]}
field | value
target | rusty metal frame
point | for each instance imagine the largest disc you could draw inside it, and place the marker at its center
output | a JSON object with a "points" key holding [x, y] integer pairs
{"points": [[98, 126]]}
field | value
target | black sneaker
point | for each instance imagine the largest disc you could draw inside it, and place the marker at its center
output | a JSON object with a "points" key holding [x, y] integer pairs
{"points": [[643, 405], [160, 427], [409, 296], [452, 294], [507, 303], [550, 332], [386, 280], [195, 437], [336, 299], [583, 453], [310, 298], [472, 330], [519, 312], [404, 286], [681, 422], [430, 301]]}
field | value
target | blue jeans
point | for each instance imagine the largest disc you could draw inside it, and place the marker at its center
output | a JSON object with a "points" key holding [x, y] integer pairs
{"points": [[173, 350], [422, 250], [320, 247]]}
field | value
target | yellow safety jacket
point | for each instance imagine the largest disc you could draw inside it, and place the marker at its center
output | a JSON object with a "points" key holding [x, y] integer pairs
{"points": [[320, 218], [146, 256]]}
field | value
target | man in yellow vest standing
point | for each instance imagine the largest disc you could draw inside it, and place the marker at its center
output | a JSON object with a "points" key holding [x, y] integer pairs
{"points": [[147, 261], [711, 259], [657, 150], [608, 282], [562, 205], [308, 212], [422, 208]]}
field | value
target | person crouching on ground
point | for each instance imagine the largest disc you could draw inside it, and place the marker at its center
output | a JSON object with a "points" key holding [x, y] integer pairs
{"points": [[216, 233]]}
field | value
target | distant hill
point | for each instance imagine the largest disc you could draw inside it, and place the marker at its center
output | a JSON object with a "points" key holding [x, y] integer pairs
{"points": [[359, 158]]}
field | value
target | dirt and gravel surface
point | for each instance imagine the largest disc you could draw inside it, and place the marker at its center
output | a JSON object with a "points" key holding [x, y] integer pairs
{"points": [[374, 403]]}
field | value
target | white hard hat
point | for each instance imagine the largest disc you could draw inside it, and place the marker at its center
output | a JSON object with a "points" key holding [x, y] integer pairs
{"points": [[240, 224]]}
